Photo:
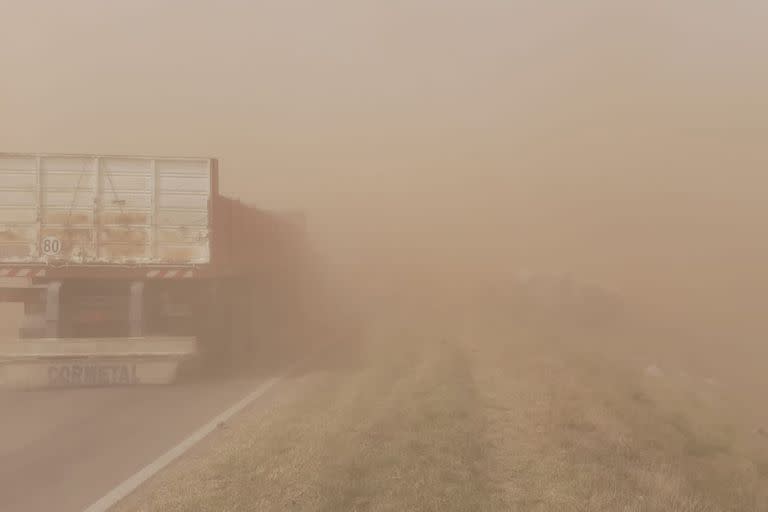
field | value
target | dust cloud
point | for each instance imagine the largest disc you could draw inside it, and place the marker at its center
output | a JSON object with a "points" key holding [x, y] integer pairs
{"points": [[442, 148]]}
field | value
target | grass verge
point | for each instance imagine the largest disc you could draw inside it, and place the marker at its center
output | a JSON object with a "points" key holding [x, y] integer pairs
{"points": [[404, 432]]}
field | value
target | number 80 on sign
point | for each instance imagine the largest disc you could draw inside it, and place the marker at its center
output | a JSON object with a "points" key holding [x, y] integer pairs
{"points": [[50, 246]]}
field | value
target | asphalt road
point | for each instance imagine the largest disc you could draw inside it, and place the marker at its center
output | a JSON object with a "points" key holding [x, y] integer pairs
{"points": [[61, 450]]}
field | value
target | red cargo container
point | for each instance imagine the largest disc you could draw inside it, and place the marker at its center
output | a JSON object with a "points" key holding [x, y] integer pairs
{"points": [[247, 240]]}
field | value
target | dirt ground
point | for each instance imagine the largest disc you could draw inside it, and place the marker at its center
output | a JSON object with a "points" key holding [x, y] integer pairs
{"points": [[478, 418]]}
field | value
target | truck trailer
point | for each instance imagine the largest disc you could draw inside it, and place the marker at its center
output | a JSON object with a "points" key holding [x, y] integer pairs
{"points": [[129, 266]]}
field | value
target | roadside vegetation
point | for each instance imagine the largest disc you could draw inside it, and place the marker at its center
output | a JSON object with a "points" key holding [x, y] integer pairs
{"points": [[576, 429], [490, 419]]}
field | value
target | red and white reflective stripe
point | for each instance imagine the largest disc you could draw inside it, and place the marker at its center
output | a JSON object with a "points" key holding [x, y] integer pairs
{"points": [[36, 273], [171, 274], [22, 272]]}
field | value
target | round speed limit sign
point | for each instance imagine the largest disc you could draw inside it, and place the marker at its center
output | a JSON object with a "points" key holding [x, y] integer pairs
{"points": [[51, 246]]}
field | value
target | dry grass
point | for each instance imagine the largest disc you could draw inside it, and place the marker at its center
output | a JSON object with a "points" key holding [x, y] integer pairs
{"points": [[573, 432], [404, 432], [488, 422]]}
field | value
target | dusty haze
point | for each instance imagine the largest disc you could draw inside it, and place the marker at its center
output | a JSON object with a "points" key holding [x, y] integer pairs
{"points": [[446, 151], [619, 142]]}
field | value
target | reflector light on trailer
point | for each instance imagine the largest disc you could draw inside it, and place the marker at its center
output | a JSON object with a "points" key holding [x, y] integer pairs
{"points": [[22, 272]]}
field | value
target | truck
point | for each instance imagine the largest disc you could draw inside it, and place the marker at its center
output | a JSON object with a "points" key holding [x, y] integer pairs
{"points": [[132, 267]]}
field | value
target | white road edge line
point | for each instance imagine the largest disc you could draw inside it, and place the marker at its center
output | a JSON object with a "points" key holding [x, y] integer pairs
{"points": [[133, 483]]}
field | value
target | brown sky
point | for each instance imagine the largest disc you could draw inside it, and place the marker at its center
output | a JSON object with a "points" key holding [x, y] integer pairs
{"points": [[622, 141]]}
